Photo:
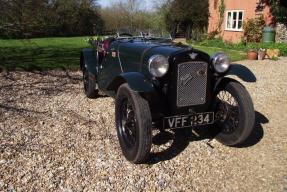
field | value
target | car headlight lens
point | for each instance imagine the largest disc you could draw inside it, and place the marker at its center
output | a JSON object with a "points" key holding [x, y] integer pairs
{"points": [[221, 62], [158, 65]]}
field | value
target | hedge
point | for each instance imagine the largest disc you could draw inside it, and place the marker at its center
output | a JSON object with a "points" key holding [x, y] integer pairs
{"points": [[242, 46]]}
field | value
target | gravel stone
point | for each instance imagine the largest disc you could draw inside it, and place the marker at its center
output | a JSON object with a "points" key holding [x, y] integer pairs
{"points": [[52, 138]]}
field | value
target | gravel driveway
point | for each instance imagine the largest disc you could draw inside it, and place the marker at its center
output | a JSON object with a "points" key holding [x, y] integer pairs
{"points": [[53, 138]]}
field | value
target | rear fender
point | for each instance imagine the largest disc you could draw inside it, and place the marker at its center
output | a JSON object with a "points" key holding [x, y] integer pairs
{"points": [[89, 61]]}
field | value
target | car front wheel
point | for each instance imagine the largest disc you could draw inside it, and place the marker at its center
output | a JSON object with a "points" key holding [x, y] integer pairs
{"points": [[133, 123], [234, 114]]}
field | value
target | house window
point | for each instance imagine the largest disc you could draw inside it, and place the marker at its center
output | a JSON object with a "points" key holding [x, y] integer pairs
{"points": [[234, 20]]}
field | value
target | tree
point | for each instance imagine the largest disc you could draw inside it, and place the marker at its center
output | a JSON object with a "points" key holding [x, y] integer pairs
{"points": [[279, 10], [35, 18], [189, 17], [128, 16]]}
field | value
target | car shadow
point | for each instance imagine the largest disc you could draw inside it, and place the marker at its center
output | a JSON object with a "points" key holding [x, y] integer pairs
{"points": [[181, 138]]}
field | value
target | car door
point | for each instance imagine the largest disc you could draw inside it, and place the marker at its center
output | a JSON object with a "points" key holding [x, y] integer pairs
{"points": [[110, 67]]}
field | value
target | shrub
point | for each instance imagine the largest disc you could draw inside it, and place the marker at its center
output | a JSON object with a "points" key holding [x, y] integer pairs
{"points": [[244, 46], [253, 29], [281, 46]]}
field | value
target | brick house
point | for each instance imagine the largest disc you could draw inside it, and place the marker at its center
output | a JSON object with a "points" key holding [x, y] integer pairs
{"points": [[236, 12]]}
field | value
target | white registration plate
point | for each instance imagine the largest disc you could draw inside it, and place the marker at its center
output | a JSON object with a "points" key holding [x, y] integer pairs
{"points": [[188, 120]]}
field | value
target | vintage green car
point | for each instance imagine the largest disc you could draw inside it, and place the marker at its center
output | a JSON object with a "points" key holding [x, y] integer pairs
{"points": [[160, 84]]}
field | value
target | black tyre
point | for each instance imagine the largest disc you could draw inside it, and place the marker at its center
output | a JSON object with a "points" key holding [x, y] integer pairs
{"points": [[90, 85], [234, 114], [134, 124]]}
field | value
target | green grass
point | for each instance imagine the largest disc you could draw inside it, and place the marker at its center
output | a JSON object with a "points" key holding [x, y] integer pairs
{"points": [[63, 53], [41, 54], [234, 55], [242, 46]]}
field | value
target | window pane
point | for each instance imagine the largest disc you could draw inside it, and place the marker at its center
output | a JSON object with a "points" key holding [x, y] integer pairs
{"points": [[229, 20], [239, 24], [234, 24], [234, 15], [240, 16]]}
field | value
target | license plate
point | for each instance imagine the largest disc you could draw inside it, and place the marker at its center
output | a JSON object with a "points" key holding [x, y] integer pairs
{"points": [[188, 120]]}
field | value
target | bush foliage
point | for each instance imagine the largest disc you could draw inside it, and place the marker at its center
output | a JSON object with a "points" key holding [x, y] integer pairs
{"points": [[253, 29], [243, 46], [188, 18], [39, 18]]}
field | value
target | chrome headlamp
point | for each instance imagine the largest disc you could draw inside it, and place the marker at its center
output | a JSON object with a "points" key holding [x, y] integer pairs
{"points": [[220, 62], [158, 65]]}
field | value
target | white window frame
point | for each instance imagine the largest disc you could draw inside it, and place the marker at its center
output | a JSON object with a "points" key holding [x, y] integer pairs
{"points": [[237, 20]]}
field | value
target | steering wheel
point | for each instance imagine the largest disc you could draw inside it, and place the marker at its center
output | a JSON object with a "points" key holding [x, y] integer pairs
{"points": [[126, 34]]}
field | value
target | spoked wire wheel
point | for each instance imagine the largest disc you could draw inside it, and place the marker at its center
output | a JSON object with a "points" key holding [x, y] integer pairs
{"points": [[127, 126], [227, 112], [234, 113], [133, 123]]}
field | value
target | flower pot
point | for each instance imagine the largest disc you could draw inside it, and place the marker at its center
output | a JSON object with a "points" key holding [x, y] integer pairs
{"points": [[261, 54], [252, 55]]}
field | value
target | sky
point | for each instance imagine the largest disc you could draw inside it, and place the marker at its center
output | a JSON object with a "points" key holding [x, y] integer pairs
{"points": [[105, 3]]}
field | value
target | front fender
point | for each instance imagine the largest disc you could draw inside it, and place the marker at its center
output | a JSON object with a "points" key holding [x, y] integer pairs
{"points": [[89, 60], [136, 81], [237, 70], [242, 73]]}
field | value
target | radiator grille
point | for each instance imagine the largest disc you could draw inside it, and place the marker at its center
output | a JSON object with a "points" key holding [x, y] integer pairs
{"points": [[191, 83]]}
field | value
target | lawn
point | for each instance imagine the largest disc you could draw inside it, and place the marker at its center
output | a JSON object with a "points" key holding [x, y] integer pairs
{"points": [[41, 54], [234, 55], [60, 53], [241, 46]]}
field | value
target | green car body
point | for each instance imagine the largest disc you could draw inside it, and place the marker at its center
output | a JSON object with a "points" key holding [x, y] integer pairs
{"points": [[126, 61], [129, 65], [166, 85]]}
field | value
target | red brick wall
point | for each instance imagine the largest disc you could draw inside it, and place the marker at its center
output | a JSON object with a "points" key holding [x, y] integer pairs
{"points": [[249, 7]]}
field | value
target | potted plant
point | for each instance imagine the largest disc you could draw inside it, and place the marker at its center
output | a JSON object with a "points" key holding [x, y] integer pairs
{"points": [[252, 51], [261, 54], [252, 54]]}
